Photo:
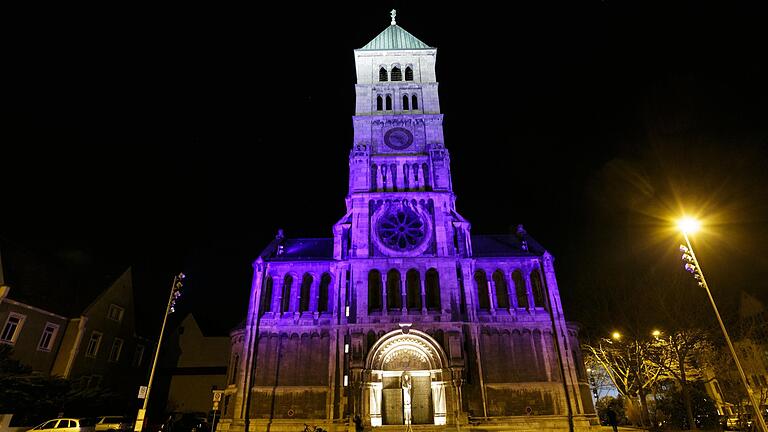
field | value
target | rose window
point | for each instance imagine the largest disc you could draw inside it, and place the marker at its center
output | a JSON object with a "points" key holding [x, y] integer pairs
{"points": [[402, 229]]}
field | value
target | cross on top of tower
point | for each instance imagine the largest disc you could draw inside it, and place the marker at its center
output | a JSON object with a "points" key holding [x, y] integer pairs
{"points": [[392, 13]]}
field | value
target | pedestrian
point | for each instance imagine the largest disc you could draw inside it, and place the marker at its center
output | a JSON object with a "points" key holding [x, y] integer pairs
{"points": [[612, 420], [358, 423]]}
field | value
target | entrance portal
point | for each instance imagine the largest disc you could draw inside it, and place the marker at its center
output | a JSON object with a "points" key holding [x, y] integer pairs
{"points": [[406, 380]]}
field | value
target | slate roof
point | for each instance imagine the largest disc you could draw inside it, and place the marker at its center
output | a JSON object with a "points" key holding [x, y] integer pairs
{"points": [[504, 245], [301, 249], [394, 37]]}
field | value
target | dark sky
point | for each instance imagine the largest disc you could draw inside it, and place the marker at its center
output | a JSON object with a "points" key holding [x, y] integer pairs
{"points": [[182, 139]]}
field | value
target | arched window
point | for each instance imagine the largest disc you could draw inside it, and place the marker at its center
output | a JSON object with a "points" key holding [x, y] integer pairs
{"points": [[502, 294], [408, 73], [389, 103], [382, 74], [538, 292], [413, 290], [379, 103], [306, 286], [432, 281], [414, 102], [481, 285], [322, 297], [406, 168], [425, 170], [374, 177], [405, 103], [285, 303], [396, 74], [520, 291], [266, 296], [394, 293], [374, 290]]}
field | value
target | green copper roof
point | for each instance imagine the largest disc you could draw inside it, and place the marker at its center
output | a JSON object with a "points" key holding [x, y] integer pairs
{"points": [[395, 37]]}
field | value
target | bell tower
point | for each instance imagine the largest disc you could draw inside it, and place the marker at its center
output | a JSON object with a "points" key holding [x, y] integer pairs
{"points": [[400, 201]]}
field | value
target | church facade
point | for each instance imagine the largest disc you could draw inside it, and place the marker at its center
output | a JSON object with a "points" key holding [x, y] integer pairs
{"points": [[404, 318]]}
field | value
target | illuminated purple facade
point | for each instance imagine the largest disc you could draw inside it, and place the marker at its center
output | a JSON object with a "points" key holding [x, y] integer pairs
{"points": [[404, 317]]}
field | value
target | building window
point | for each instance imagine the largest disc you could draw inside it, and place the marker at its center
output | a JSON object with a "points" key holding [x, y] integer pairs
{"points": [[520, 291], [285, 303], [115, 313], [389, 103], [374, 291], [502, 294], [322, 298], [266, 296], [382, 74], [405, 103], [138, 356], [117, 348], [49, 335], [394, 291], [93, 344], [12, 328], [306, 287], [432, 282], [481, 284], [414, 102], [379, 103], [538, 292], [408, 73], [413, 290], [396, 74]]}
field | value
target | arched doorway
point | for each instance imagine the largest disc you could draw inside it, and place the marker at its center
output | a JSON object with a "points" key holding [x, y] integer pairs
{"points": [[405, 370]]}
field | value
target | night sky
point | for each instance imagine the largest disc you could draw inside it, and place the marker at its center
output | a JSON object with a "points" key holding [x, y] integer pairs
{"points": [[182, 139]]}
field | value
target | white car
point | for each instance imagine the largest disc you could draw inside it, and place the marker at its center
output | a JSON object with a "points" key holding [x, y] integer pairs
{"points": [[113, 423], [66, 425]]}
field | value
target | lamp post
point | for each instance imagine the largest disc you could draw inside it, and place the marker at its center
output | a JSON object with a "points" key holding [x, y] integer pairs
{"points": [[169, 309], [688, 225]]}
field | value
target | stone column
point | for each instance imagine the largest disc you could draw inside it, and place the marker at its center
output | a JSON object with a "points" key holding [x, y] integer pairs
{"points": [[374, 402], [491, 295], [314, 294], [277, 294], [423, 282], [403, 293], [384, 304], [438, 402]]}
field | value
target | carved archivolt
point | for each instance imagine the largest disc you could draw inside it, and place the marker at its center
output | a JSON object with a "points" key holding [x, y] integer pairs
{"points": [[413, 350]]}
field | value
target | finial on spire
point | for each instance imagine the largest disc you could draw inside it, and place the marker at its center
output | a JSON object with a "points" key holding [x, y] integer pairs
{"points": [[393, 13]]}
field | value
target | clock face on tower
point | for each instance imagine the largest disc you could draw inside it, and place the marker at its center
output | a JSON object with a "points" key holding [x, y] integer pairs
{"points": [[398, 138]]}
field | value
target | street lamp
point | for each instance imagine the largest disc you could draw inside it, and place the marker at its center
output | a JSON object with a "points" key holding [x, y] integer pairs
{"points": [[169, 309], [616, 335], [690, 226]]}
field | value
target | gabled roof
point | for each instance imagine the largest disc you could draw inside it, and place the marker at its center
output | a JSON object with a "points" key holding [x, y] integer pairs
{"points": [[394, 37]]}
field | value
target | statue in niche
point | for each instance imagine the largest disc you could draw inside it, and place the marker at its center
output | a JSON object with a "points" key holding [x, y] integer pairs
{"points": [[405, 383]]}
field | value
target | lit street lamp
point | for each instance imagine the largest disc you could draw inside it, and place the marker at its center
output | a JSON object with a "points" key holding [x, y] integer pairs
{"points": [[169, 309], [690, 226]]}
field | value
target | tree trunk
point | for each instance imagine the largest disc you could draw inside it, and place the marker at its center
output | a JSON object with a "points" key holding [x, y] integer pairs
{"points": [[686, 394], [644, 415]]}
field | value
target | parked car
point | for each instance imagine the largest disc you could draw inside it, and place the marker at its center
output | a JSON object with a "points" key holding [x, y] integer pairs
{"points": [[66, 425], [113, 423]]}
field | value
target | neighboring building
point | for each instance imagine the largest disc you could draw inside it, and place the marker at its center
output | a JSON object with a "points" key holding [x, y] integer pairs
{"points": [[193, 363], [97, 348], [34, 334], [100, 347], [404, 317]]}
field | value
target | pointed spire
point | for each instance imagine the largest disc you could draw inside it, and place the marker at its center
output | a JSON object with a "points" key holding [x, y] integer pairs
{"points": [[393, 13]]}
